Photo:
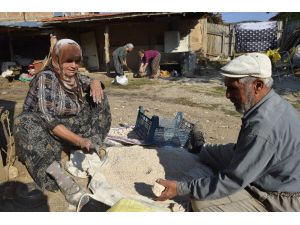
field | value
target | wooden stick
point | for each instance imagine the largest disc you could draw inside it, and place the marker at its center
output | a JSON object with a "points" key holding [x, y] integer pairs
{"points": [[11, 155], [3, 170]]}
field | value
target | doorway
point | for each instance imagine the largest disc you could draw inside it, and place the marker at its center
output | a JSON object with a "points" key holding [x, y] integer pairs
{"points": [[89, 50]]}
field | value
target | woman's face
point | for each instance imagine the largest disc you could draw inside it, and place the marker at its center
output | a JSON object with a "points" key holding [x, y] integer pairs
{"points": [[69, 56], [70, 67]]}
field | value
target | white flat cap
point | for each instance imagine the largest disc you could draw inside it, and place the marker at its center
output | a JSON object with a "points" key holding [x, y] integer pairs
{"points": [[250, 64], [129, 45]]}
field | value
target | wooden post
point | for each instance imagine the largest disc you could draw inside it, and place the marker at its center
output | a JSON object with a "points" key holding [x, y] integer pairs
{"points": [[204, 38], [106, 49], [230, 40], [53, 41], [223, 43], [3, 171], [279, 33], [24, 16]]}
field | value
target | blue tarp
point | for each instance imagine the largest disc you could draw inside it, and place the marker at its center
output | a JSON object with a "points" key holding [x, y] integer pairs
{"points": [[30, 24]]}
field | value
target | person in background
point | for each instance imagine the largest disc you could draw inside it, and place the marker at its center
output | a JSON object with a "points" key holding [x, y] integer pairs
{"points": [[63, 109], [152, 58], [261, 171], [119, 58]]}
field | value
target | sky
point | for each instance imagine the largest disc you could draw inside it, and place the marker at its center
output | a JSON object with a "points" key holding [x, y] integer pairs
{"points": [[234, 17]]}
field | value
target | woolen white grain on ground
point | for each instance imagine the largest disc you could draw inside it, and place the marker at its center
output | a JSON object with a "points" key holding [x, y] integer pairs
{"points": [[133, 170]]}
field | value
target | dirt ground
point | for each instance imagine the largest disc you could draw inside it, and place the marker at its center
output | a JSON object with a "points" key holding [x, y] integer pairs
{"points": [[201, 99]]}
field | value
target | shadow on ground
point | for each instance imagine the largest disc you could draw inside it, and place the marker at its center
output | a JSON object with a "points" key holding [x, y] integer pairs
{"points": [[16, 196]]}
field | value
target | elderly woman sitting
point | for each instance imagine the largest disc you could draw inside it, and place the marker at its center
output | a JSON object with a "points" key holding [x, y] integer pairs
{"points": [[62, 108]]}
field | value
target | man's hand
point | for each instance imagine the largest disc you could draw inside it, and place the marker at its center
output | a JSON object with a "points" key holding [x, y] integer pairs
{"points": [[170, 189], [96, 91], [85, 144]]}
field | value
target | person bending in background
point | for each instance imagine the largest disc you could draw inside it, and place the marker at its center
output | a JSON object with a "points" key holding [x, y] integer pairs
{"points": [[152, 58]]}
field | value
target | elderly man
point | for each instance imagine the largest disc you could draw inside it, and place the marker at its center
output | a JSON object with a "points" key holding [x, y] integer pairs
{"points": [[261, 172], [119, 58]]}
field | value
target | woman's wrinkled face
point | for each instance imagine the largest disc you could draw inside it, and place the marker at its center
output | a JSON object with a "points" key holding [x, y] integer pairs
{"points": [[70, 66], [69, 57]]}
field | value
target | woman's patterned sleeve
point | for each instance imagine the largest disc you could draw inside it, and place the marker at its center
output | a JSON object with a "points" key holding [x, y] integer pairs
{"points": [[85, 82], [46, 100]]}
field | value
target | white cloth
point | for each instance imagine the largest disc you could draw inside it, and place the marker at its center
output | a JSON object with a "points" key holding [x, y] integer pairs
{"points": [[102, 191], [257, 25], [82, 165]]}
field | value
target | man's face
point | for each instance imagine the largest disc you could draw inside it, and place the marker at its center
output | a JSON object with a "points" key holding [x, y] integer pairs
{"points": [[241, 95]]}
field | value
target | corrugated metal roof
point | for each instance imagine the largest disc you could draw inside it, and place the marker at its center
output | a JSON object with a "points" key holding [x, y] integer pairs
{"points": [[103, 16], [29, 24], [78, 17]]}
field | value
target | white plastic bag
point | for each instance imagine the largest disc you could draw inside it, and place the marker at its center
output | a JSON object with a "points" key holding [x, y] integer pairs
{"points": [[122, 80]]}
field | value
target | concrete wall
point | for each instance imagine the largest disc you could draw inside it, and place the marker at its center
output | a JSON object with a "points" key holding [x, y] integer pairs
{"points": [[198, 36], [144, 34], [150, 35]]}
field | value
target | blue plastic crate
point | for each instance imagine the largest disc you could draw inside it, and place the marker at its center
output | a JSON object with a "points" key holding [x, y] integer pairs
{"points": [[163, 131]]}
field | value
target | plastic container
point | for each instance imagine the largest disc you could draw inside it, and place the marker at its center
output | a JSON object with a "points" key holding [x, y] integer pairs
{"points": [[163, 131]]}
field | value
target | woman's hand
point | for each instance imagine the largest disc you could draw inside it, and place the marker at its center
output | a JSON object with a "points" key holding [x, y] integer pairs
{"points": [[85, 144], [142, 69], [64, 133], [96, 91]]}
